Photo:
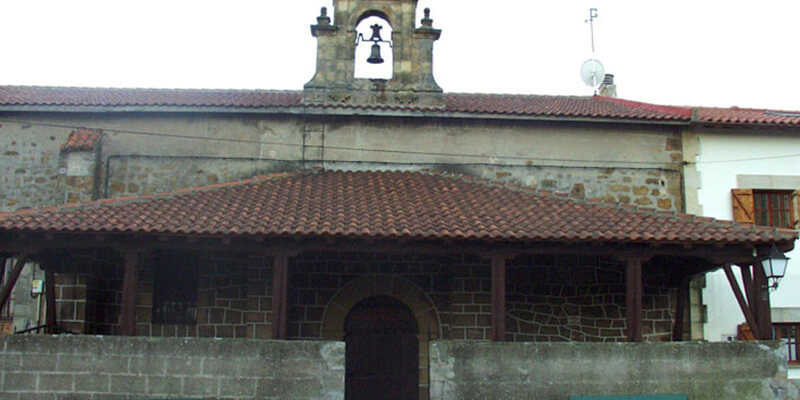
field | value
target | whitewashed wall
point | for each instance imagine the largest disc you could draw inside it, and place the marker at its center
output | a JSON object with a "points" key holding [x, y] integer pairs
{"points": [[721, 157]]}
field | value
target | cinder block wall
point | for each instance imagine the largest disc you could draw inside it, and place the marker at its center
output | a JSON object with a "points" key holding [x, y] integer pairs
{"points": [[556, 371], [104, 367]]}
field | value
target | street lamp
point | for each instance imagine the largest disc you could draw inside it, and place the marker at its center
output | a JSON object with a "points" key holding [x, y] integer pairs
{"points": [[774, 266]]}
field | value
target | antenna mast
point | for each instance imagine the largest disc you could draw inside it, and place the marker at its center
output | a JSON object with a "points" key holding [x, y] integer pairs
{"points": [[592, 16]]}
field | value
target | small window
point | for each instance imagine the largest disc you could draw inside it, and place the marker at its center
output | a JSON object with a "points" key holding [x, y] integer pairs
{"points": [[773, 208], [175, 289], [787, 333]]}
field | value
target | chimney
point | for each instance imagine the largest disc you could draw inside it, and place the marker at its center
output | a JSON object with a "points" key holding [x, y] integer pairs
{"points": [[608, 88]]}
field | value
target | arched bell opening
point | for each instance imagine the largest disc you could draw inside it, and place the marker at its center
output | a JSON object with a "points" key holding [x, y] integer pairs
{"points": [[374, 56]]}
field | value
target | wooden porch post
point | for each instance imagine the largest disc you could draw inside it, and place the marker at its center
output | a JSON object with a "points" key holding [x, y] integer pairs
{"points": [[498, 298], [5, 293], [633, 299], [280, 300], [743, 304], [50, 300], [130, 283], [762, 306]]}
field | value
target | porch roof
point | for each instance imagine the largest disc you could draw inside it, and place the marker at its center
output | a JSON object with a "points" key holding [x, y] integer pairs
{"points": [[385, 205]]}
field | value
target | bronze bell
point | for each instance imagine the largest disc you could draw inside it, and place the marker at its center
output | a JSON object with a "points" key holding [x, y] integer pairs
{"points": [[375, 57]]}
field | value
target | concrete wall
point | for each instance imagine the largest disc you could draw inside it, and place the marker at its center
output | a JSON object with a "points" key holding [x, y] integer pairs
{"points": [[103, 367], [722, 160], [547, 371]]}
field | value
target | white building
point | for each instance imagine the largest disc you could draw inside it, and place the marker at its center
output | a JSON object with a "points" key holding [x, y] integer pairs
{"points": [[746, 149]]}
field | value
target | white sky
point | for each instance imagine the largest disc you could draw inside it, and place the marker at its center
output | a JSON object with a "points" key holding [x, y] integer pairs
{"points": [[701, 52]]}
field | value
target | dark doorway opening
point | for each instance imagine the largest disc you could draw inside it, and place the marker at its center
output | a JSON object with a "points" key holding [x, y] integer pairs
{"points": [[382, 351]]}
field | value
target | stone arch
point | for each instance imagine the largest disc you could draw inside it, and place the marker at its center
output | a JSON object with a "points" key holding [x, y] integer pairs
{"points": [[393, 286], [396, 287], [362, 69], [365, 11], [371, 12]]}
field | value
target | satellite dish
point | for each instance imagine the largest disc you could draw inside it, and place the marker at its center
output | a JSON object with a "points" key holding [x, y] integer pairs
{"points": [[592, 72]]}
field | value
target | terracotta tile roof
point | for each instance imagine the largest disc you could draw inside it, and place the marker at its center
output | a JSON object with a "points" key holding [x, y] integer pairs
{"points": [[493, 104], [118, 97], [562, 106], [383, 205], [748, 116], [727, 116], [496, 104], [82, 139]]}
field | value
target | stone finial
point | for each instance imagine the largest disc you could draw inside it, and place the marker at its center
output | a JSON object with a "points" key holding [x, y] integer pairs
{"points": [[427, 21], [323, 18]]}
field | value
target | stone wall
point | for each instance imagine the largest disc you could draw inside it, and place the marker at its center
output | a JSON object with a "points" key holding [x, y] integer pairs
{"points": [[102, 367], [575, 298], [233, 297], [550, 371], [154, 152], [549, 298]]}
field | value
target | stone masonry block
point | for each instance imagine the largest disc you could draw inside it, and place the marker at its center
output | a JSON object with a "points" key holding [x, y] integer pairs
{"points": [[129, 384], [164, 385], [100, 383], [194, 386], [244, 387], [149, 364], [184, 366], [20, 382], [39, 362], [56, 382]]}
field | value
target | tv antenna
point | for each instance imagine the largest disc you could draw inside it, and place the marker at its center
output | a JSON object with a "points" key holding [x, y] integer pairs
{"points": [[592, 71], [592, 17]]}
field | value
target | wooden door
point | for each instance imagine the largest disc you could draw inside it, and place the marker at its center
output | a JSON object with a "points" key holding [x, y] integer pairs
{"points": [[382, 351]]}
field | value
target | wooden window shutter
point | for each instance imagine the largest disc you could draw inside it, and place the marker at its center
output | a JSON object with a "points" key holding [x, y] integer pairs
{"points": [[796, 214], [743, 205]]}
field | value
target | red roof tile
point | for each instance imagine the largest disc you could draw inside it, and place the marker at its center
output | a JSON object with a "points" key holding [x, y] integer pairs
{"points": [[118, 97], [82, 139], [562, 106], [493, 104], [414, 205], [747, 116], [498, 104], [727, 116]]}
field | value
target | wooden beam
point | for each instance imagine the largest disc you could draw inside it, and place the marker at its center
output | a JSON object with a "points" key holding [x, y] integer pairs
{"points": [[5, 293], [743, 305], [130, 286], [633, 299], [498, 298], [72, 241], [750, 293], [280, 296], [50, 300], [762, 305]]}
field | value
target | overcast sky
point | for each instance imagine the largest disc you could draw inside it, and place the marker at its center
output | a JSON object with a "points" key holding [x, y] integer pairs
{"points": [[701, 52]]}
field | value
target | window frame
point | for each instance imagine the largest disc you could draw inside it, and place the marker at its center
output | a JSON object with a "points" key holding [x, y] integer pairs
{"points": [[790, 342], [769, 211]]}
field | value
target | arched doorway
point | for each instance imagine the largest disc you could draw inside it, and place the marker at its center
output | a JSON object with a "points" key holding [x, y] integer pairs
{"points": [[382, 351]]}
